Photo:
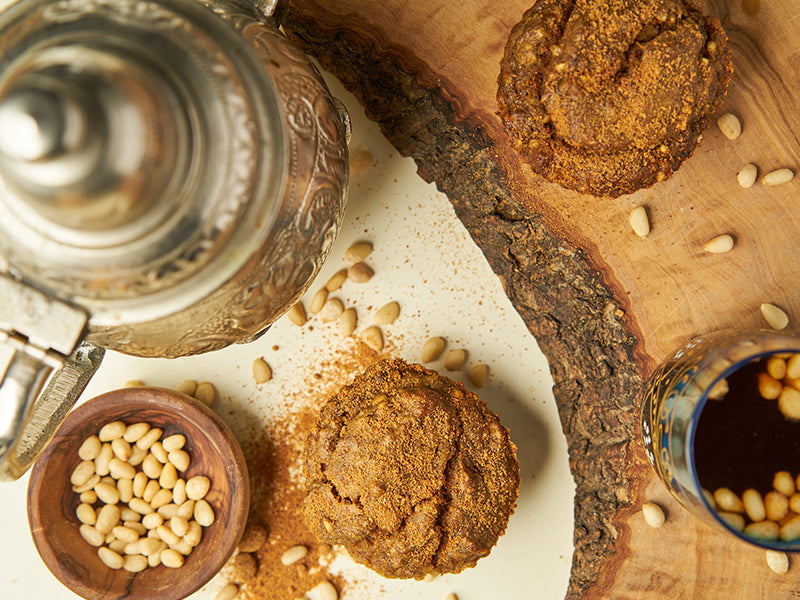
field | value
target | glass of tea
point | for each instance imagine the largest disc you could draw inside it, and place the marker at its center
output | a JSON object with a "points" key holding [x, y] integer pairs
{"points": [[721, 426]]}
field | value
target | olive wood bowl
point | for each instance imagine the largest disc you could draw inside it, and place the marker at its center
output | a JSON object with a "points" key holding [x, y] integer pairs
{"points": [[52, 502]]}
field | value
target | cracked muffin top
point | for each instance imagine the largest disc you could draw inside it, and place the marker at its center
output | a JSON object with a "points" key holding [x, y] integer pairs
{"points": [[410, 472], [609, 96]]}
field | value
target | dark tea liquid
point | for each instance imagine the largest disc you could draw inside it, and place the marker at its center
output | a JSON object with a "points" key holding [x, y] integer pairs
{"points": [[742, 440]]}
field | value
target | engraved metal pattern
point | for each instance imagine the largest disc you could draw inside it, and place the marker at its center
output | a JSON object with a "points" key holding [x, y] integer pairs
{"points": [[308, 220]]}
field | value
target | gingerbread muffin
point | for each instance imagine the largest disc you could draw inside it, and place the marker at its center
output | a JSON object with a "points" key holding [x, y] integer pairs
{"points": [[410, 472], [610, 96]]}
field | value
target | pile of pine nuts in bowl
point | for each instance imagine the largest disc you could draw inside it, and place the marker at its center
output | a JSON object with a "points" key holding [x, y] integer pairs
{"points": [[142, 493]]}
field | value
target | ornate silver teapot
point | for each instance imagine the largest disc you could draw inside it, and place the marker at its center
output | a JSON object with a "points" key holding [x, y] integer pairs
{"points": [[172, 176]]}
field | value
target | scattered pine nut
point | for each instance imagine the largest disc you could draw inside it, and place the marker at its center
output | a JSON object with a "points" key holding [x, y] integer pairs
{"points": [[730, 126], [360, 161], [206, 393], [373, 337], [747, 175], [133, 383], [347, 322], [778, 177], [455, 359], [318, 301], [360, 272], [188, 387], [432, 349], [653, 514], [262, 372], [336, 280], [358, 252], [297, 314], [327, 591], [228, 591], [478, 375], [451, 596], [720, 244], [777, 561], [387, 314], [331, 310], [639, 221], [293, 554], [775, 317]]}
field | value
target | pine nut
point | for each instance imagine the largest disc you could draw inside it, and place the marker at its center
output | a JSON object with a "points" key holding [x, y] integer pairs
{"points": [[793, 366], [121, 449], [747, 175], [110, 558], [789, 402], [754, 505], [188, 387], [197, 487], [185, 510], [125, 489], [136, 526], [126, 514], [88, 497], [137, 455], [783, 482], [451, 596], [168, 478], [730, 126], [107, 518], [347, 322], [336, 280], [90, 448], [778, 177], [262, 372], [293, 554], [478, 375], [639, 222], [157, 450], [179, 492], [171, 558], [162, 498], [205, 393], [111, 431], [203, 513], [166, 534], [358, 252], [173, 442], [297, 314], [432, 349], [168, 510], [125, 534], [331, 310], [790, 531], [140, 506], [152, 520], [735, 521], [360, 272], [88, 486], [91, 535], [373, 337], [149, 438], [318, 301], [107, 493], [776, 367], [774, 316], [147, 546], [150, 490], [387, 314], [327, 591], [719, 245], [194, 535], [82, 472], [653, 514], [777, 561], [131, 383], [152, 467], [455, 359], [120, 469], [179, 525], [133, 433], [768, 387], [154, 560], [86, 514], [776, 505], [728, 501], [102, 460], [135, 563], [767, 531], [227, 592], [181, 459]]}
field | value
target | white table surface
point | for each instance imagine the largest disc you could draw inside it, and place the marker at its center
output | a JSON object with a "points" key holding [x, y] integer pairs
{"points": [[425, 259]]}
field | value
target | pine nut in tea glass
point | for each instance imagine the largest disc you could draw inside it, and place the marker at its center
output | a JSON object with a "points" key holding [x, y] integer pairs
{"points": [[720, 419]]}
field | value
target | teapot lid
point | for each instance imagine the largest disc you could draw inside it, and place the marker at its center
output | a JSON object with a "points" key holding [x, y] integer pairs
{"points": [[136, 136]]}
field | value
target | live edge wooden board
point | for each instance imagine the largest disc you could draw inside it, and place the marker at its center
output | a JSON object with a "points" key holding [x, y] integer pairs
{"points": [[604, 305]]}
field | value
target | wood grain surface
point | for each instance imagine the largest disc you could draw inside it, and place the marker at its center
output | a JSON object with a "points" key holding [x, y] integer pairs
{"points": [[605, 306]]}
